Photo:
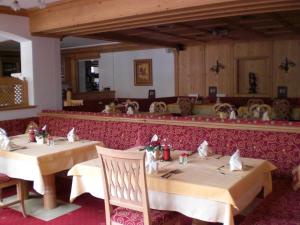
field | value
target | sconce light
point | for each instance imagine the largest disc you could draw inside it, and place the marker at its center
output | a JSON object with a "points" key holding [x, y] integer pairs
{"points": [[217, 67], [286, 64]]}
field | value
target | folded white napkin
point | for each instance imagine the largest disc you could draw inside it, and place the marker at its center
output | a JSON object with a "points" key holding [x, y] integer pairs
{"points": [[265, 116], [232, 115], [150, 163], [72, 135], [44, 128], [107, 109], [3, 132], [235, 161], [154, 138], [5, 143], [203, 149], [130, 110]]}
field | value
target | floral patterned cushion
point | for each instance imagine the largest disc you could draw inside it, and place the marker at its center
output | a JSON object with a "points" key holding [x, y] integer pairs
{"points": [[130, 217], [3, 178]]}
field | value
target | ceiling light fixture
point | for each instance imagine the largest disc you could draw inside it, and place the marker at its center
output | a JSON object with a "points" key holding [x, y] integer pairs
{"points": [[42, 4], [15, 6]]}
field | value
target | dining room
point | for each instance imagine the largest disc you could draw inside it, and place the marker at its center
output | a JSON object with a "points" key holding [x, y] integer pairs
{"points": [[149, 112]]}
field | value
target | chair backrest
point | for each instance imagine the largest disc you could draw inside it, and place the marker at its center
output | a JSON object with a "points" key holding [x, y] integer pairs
{"points": [[281, 109], [124, 179], [32, 125], [254, 101], [256, 111], [133, 104], [158, 107], [223, 109], [185, 105]]}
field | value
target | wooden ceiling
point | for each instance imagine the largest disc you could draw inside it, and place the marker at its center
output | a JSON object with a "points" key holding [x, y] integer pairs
{"points": [[248, 27], [169, 23]]}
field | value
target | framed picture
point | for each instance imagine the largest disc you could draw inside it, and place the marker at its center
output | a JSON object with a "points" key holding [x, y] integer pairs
{"points": [[282, 92], [212, 91], [143, 72], [151, 94]]}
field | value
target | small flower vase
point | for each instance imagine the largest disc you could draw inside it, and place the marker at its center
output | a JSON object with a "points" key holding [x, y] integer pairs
{"points": [[40, 140]]}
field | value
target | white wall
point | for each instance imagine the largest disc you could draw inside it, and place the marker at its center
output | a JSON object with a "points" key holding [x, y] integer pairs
{"points": [[117, 72], [40, 60]]}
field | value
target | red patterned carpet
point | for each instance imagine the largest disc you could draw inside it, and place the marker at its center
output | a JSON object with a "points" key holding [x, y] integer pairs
{"points": [[91, 211]]}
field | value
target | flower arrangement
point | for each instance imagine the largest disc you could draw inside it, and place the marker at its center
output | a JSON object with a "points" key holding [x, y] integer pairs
{"points": [[159, 149], [153, 146], [41, 133]]}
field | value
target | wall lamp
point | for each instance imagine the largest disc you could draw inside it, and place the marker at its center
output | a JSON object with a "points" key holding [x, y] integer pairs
{"points": [[217, 67], [286, 64]]}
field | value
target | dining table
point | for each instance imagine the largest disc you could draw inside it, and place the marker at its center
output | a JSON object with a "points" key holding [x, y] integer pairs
{"points": [[40, 162], [204, 188]]}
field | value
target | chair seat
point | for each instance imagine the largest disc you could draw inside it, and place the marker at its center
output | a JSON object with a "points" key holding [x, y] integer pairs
{"points": [[130, 217], [4, 178]]}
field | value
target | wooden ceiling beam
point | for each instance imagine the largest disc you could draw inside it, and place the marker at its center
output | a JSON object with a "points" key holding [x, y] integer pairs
{"points": [[106, 48], [286, 23], [247, 29], [125, 25], [65, 17], [9, 11], [171, 35], [136, 40]]}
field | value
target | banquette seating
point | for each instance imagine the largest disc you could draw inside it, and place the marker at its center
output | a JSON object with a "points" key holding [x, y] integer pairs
{"points": [[279, 147]]}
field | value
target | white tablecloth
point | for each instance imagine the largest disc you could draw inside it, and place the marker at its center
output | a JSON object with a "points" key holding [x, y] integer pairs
{"points": [[87, 179], [36, 160]]}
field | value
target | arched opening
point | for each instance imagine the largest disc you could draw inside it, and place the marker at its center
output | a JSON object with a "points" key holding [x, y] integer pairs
{"points": [[26, 59]]}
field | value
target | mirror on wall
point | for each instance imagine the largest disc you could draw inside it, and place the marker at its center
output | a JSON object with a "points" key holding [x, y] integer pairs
{"points": [[88, 75], [10, 61]]}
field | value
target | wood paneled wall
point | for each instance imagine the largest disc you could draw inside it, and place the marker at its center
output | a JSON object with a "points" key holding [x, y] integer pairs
{"points": [[195, 76], [190, 71]]}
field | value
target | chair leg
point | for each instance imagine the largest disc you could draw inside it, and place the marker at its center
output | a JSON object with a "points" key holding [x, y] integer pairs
{"points": [[21, 194]]}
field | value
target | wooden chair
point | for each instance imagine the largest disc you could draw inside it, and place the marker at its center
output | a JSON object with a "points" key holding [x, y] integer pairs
{"points": [[256, 111], [134, 104], [281, 108], [158, 107], [185, 105], [223, 110], [33, 125], [125, 186], [254, 101], [5, 182]]}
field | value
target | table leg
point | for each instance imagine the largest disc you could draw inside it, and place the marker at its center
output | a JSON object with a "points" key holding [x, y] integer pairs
{"points": [[50, 191], [26, 189]]}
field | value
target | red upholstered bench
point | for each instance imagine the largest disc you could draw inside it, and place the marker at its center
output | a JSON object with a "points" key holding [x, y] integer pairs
{"points": [[281, 207], [281, 148]]}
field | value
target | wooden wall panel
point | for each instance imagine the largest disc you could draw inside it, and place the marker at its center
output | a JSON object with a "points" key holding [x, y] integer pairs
{"points": [[291, 79], [224, 79], [191, 77], [194, 75], [256, 51]]}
